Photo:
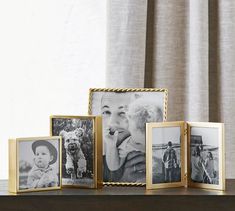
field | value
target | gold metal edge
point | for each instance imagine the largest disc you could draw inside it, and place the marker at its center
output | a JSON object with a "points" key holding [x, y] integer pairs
{"points": [[12, 165], [124, 184], [60, 162], [99, 154], [94, 153], [149, 184], [223, 158], [72, 116]]}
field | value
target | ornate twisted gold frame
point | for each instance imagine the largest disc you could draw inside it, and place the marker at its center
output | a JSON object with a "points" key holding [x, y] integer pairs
{"points": [[92, 90]]}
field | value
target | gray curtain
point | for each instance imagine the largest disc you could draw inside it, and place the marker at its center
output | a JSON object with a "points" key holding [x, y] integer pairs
{"points": [[187, 46]]}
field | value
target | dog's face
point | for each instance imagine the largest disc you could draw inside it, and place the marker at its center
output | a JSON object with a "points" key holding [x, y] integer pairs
{"points": [[71, 140]]}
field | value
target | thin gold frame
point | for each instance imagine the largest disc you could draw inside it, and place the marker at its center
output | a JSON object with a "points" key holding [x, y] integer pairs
{"points": [[97, 146], [149, 158], [220, 127], [164, 90], [14, 163]]}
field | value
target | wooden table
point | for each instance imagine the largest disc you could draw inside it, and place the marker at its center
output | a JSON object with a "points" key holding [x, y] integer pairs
{"points": [[120, 198]]}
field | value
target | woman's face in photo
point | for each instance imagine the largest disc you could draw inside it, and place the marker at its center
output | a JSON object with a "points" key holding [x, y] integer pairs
{"points": [[114, 108]]}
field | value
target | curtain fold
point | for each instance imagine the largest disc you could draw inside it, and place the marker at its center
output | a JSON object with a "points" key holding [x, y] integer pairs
{"points": [[170, 53], [126, 37], [185, 46], [198, 69], [222, 73]]}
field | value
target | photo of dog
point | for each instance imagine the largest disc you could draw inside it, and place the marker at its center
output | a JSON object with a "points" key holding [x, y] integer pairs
{"points": [[74, 152], [77, 150]]}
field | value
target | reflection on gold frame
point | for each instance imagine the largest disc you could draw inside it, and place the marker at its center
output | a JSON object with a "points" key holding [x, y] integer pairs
{"points": [[97, 146], [221, 150], [149, 154], [13, 183], [124, 90]]}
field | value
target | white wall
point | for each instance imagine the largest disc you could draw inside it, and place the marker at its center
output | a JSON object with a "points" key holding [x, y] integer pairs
{"points": [[51, 53]]}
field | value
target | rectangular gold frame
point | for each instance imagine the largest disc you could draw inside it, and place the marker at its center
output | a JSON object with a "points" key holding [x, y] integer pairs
{"points": [[149, 160], [220, 127], [164, 90], [13, 183], [97, 162]]}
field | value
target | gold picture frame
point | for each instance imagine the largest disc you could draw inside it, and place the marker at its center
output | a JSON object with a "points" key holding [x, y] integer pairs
{"points": [[160, 96], [203, 155], [94, 179], [157, 138], [15, 164], [217, 130]]}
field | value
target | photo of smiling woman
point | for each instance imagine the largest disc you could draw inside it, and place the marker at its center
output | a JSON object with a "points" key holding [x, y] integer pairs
{"points": [[124, 117]]}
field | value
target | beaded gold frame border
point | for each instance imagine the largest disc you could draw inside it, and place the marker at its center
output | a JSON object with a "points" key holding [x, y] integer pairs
{"points": [[164, 90]]}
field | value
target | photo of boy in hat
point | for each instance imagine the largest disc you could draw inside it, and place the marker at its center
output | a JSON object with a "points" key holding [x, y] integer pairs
{"points": [[42, 174]]}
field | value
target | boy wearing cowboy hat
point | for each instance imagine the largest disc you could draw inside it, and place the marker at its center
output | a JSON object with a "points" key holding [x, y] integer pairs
{"points": [[42, 174]]}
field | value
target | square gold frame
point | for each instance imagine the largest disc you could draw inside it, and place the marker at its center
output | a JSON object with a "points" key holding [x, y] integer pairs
{"points": [[13, 183], [149, 154], [220, 127], [123, 90], [97, 160]]}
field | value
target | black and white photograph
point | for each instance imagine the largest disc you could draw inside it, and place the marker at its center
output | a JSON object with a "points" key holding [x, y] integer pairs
{"points": [[77, 149], [204, 148], [166, 153], [165, 158], [39, 163], [125, 113], [206, 157]]}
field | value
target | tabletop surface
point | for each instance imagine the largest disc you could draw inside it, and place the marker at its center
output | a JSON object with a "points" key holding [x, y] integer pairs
{"points": [[134, 191]]}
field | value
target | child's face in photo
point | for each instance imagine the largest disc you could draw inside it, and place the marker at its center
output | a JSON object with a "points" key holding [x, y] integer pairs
{"points": [[137, 135], [132, 124], [42, 157]]}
